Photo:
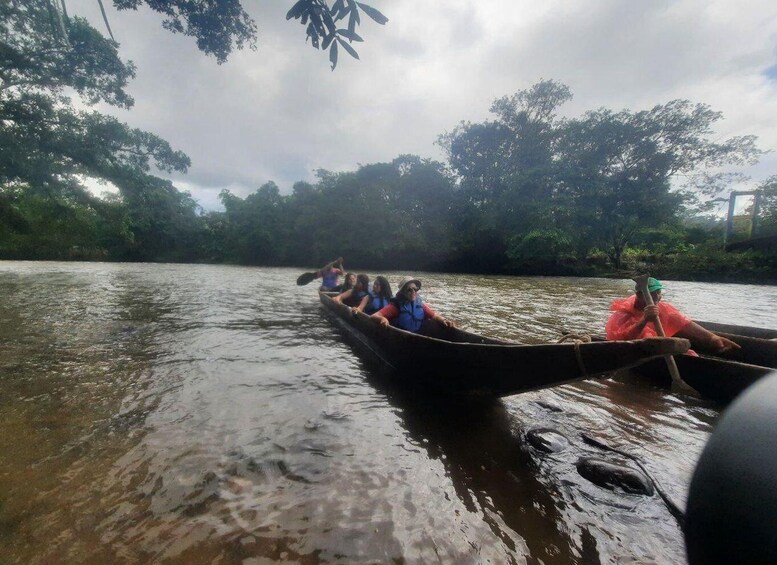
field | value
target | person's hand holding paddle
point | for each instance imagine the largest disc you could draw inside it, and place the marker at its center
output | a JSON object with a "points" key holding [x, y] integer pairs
{"points": [[651, 313]]}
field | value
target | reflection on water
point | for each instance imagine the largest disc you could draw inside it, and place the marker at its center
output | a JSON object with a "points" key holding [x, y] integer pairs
{"points": [[192, 414]]}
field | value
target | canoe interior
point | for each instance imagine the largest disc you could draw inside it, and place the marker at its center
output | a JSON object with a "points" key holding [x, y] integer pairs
{"points": [[754, 350], [748, 331]]}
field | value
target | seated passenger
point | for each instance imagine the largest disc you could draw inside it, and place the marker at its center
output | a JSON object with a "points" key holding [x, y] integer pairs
{"points": [[348, 283], [407, 310], [353, 297], [379, 296], [632, 319]]}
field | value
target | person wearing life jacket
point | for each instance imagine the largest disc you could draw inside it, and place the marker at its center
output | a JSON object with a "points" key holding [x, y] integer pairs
{"points": [[348, 283], [632, 318], [380, 296], [356, 295], [407, 310], [330, 275]]}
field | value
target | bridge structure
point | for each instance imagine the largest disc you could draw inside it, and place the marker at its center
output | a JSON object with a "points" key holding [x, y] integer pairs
{"points": [[754, 240]]}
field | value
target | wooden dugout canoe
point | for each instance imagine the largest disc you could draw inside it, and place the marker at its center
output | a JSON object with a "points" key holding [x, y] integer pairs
{"points": [[721, 377], [462, 363]]}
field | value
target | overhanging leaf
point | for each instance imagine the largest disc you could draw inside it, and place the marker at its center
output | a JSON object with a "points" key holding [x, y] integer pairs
{"points": [[296, 10], [338, 9], [348, 34], [330, 23], [313, 35], [333, 55], [373, 13], [351, 51]]}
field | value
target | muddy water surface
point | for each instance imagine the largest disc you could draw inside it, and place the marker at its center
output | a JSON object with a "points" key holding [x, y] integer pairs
{"points": [[209, 414]]}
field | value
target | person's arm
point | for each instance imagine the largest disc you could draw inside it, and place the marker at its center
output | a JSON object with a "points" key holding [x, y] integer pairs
{"points": [[430, 314], [706, 338], [385, 314], [343, 295], [622, 326], [363, 304]]}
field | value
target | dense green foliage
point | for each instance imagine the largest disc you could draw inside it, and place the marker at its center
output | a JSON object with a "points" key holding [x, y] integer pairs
{"points": [[527, 192]]}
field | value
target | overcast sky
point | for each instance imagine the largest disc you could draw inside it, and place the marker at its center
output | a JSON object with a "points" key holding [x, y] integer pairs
{"points": [[280, 113]]}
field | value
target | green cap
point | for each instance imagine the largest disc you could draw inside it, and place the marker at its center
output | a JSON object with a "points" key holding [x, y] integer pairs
{"points": [[654, 285]]}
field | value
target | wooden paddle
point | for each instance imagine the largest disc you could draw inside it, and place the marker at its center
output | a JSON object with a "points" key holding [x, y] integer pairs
{"points": [[642, 286], [306, 278]]}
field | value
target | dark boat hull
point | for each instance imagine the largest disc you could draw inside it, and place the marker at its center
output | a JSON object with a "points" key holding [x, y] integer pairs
{"points": [[721, 377], [724, 376], [714, 378], [459, 362]]}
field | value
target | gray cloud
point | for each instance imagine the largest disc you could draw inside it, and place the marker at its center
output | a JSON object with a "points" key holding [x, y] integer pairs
{"points": [[280, 113]]}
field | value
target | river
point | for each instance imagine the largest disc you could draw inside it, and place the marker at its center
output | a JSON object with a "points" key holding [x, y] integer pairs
{"points": [[213, 414]]}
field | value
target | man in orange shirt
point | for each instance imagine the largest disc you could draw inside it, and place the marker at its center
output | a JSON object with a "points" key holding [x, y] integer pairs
{"points": [[633, 319]]}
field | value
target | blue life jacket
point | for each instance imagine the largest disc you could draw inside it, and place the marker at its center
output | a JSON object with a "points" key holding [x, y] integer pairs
{"points": [[329, 278], [376, 303], [411, 314]]}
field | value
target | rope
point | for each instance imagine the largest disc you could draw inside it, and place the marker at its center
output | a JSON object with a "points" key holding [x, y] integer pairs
{"points": [[578, 339]]}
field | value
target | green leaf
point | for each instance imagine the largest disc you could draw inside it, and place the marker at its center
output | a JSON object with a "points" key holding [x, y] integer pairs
{"points": [[333, 55], [330, 23], [373, 13], [350, 35], [313, 35], [351, 51], [296, 10], [354, 20]]}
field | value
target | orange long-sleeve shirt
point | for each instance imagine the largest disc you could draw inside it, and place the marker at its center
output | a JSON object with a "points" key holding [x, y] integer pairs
{"points": [[626, 316]]}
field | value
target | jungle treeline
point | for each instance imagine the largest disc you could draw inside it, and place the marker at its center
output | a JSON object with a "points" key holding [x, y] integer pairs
{"points": [[526, 191]]}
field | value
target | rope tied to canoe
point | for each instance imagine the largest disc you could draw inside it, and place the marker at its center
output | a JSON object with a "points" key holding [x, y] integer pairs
{"points": [[578, 339]]}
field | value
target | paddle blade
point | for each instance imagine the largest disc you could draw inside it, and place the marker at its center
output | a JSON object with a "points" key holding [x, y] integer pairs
{"points": [[305, 278]]}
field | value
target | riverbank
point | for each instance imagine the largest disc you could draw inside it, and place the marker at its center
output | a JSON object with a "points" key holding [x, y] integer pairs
{"points": [[704, 265], [744, 267]]}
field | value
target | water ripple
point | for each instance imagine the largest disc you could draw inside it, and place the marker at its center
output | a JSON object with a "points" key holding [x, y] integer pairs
{"points": [[198, 414]]}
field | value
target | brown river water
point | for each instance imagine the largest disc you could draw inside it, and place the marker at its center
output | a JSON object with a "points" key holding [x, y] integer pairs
{"points": [[213, 414]]}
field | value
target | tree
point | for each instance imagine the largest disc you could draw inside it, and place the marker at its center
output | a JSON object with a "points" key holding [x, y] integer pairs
{"points": [[255, 227], [47, 147], [597, 180], [393, 214], [507, 171], [220, 27], [618, 167]]}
